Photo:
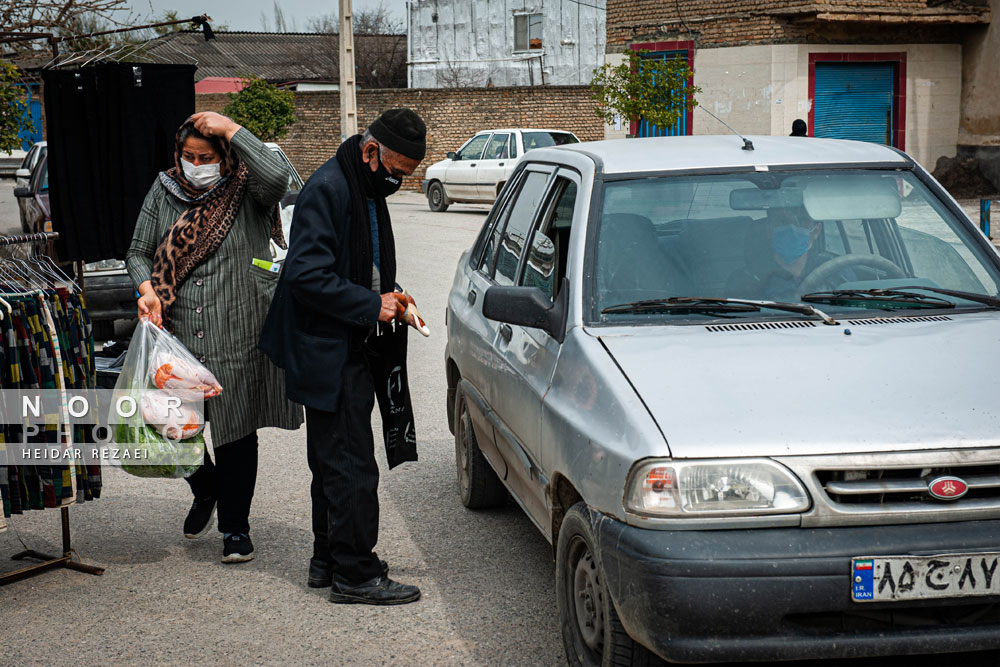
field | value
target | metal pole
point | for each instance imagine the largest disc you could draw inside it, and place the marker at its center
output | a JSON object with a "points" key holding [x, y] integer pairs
{"points": [[984, 216], [348, 100]]}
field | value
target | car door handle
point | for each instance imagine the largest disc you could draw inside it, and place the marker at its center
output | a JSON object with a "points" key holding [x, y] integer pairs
{"points": [[473, 164], [500, 165], [471, 297], [506, 332]]}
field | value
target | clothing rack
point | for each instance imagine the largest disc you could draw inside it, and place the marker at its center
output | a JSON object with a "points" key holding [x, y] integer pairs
{"points": [[48, 562]]}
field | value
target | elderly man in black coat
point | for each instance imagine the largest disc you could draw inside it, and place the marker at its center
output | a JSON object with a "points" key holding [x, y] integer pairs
{"points": [[335, 307]]}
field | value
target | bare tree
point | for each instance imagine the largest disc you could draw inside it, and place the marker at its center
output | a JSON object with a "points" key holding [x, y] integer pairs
{"points": [[453, 75], [62, 17], [281, 24], [379, 48]]}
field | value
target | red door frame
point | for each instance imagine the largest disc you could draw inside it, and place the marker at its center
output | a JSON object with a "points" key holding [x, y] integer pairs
{"points": [[898, 92], [687, 45]]}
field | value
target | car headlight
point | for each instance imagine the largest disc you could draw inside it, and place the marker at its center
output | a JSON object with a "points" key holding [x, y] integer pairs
{"points": [[716, 487]]}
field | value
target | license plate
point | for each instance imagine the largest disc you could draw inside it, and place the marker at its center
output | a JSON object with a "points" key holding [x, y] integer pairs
{"points": [[895, 578]]}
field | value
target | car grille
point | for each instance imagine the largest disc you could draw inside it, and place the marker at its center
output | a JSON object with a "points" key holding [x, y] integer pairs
{"points": [[907, 486], [796, 324], [898, 617]]}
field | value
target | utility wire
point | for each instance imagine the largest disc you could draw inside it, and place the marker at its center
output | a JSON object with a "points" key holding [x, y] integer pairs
{"points": [[680, 17]]}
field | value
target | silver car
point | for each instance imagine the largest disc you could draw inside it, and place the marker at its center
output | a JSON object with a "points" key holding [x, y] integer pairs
{"points": [[747, 389]]}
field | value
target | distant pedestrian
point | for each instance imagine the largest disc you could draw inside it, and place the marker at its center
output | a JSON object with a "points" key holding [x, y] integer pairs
{"points": [[799, 128]]}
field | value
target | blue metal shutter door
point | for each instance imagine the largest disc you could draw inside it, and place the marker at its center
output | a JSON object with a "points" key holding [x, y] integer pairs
{"points": [[854, 101]]}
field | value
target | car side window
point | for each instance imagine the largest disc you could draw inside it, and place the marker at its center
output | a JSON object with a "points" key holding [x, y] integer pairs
{"points": [[494, 227], [497, 148], [474, 149], [515, 233], [545, 264]]}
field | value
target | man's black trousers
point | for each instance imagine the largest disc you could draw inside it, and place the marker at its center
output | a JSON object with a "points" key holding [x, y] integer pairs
{"points": [[341, 453]]}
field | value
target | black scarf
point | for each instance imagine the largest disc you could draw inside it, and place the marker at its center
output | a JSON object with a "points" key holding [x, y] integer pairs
{"points": [[360, 243], [386, 348]]}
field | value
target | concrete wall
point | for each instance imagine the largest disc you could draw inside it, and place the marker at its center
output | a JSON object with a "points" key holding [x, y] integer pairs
{"points": [[979, 132], [452, 116], [471, 43], [762, 89]]}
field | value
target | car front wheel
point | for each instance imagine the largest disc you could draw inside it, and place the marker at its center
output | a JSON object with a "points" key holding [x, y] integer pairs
{"points": [[435, 198], [478, 484], [592, 632]]}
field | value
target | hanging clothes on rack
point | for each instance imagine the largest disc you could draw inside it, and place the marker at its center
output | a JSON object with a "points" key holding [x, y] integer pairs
{"points": [[46, 342]]}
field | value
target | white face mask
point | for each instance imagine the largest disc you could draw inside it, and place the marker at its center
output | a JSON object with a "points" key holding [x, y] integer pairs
{"points": [[203, 176]]}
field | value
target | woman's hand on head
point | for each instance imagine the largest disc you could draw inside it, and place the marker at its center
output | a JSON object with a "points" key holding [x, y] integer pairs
{"points": [[150, 307], [213, 124]]}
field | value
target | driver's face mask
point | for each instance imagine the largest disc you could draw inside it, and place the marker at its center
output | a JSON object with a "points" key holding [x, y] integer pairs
{"points": [[791, 242]]}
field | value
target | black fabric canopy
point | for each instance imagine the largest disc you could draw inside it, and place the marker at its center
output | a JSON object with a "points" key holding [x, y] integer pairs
{"points": [[110, 130]]}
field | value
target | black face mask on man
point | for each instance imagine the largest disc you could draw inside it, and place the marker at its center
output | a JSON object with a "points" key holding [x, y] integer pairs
{"points": [[381, 182]]}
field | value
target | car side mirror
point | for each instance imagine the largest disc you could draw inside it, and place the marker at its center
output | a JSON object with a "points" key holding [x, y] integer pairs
{"points": [[451, 155], [22, 193], [22, 173], [529, 307]]}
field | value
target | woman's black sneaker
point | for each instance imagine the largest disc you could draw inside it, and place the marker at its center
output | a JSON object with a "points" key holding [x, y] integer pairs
{"points": [[199, 518], [379, 591], [237, 548]]}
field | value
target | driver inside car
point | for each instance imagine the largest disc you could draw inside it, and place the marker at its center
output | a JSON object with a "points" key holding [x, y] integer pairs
{"points": [[783, 249]]}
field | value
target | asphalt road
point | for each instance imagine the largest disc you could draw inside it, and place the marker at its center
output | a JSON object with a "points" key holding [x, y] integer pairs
{"points": [[487, 577]]}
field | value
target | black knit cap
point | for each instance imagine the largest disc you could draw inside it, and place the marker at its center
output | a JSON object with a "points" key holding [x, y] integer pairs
{"points": [[403, 131]]}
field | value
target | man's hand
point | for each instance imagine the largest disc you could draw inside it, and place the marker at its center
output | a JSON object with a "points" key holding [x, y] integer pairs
{"points": [[212, 124], [393, 307]]}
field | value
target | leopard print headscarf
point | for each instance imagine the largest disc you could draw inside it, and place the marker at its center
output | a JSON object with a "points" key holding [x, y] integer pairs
{"points": [[202, 228]]}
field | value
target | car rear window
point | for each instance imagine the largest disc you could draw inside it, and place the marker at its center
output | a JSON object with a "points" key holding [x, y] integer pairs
{"points": [[544, 139]]}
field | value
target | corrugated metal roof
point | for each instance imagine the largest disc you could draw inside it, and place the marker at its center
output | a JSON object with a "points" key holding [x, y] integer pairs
{"points": [[277, 57]]}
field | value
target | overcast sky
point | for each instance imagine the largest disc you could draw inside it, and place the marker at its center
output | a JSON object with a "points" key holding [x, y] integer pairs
{"points": [[246, 14]]}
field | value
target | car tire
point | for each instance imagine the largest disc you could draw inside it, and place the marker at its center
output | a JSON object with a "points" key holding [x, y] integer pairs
{"points": [[478, 484], [435, 197], [104, 330], [592, 632]]}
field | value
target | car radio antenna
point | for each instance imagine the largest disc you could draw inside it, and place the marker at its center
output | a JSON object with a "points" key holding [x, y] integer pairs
{"points": [[747, 144]]}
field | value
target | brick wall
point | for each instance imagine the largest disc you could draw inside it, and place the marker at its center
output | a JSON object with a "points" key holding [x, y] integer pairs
{"points": [[715, 23], [452, 116]]}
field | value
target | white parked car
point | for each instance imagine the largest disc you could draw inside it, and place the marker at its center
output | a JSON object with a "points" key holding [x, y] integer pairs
{"points": [[287, 202], [478, 170]]}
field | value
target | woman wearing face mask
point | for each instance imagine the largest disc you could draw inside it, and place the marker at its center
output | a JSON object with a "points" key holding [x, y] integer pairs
{"points": [[202, 225]]}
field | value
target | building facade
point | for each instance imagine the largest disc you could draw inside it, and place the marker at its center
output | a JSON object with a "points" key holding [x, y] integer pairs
{"points": [[890, 71], [482, 43]]}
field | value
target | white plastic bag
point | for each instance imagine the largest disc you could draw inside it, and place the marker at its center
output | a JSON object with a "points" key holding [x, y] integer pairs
{"points": [[164, 433]]}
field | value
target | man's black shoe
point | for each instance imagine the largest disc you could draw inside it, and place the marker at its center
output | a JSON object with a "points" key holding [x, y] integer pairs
{"points": [[237, 548], [199, 518], [321, 573], [380, 591]]}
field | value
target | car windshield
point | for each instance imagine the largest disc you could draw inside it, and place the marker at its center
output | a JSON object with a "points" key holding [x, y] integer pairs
{"points": [[543, 139], [43, 178], [848, 242]]}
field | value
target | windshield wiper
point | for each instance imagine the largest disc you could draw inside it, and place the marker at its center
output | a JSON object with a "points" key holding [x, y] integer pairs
{"points": [[897, 298], [673, 305], [968, 296], [711, 303]]}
